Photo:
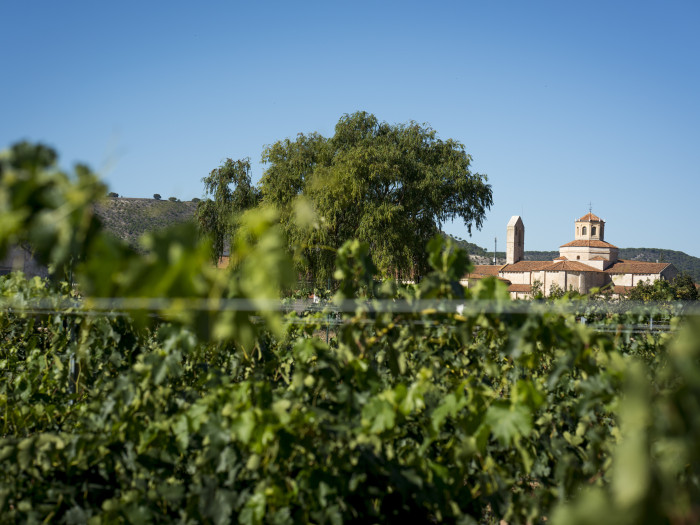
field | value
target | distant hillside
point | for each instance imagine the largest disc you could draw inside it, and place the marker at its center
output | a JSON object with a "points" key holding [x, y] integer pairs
{"points": [[682, 261], [130, 218]]}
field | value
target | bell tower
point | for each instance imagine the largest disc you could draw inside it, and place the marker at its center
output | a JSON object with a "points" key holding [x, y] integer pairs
{"points": [[515, 240], [590, 228]]}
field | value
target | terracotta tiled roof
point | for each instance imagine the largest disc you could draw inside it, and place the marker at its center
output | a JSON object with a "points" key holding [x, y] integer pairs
{"points": [[561, 258], [590, 217], [526, 266], [570, 266], [591, 244], [520, 288], [622, 290], [637, 267], [538, 266], [598, 258], [485, 269]]}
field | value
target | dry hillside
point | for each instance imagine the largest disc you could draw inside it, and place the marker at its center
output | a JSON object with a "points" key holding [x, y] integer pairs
{"points": [[129, 218]]}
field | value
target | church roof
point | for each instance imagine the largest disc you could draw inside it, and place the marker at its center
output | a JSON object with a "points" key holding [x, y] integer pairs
{"points": [[622, 290], [637, 267], [590, 217], [484, 270], [526, 266], [570, 266], [589, 244], [548, 266], [520, 288]]}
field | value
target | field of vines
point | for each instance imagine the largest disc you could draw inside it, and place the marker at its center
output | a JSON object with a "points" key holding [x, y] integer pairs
{"points": [[157, 389]]}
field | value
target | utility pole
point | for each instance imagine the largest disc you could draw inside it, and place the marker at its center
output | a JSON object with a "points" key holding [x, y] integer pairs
{"points": [[495, 244]]}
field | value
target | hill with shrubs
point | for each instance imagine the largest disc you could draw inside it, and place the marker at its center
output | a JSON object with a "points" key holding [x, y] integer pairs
{"points": [[129, 218]]}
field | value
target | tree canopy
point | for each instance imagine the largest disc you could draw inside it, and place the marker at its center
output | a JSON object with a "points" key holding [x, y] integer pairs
{"points": [[682, 288], [217, 216], [390, 185]]}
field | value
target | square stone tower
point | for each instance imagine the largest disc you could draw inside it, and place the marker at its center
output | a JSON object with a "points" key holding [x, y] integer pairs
{"points": [[515, 240]]}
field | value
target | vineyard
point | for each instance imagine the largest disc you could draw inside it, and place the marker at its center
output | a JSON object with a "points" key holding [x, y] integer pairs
{"points": [[155, 388]]}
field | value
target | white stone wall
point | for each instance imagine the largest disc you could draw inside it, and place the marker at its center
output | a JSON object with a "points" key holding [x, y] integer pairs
{"points": [[584, 253], [631, 279]]}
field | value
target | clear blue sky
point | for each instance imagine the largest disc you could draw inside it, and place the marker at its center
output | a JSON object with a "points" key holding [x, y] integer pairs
{"points": [[559, 103]]}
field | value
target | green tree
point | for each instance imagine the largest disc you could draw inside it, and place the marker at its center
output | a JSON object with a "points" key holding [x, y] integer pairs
{"points": [[536, 289], [684, 288], [658, 291], [389, 185], [217, 217]]}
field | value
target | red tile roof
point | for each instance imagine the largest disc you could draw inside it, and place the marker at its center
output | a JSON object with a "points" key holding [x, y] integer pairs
{"points": [[561, 258], [570, 266], [485, 269], [598, 258], [622, 290], [520, 288], [526, 266], [548, 266], [637, 267], [591, 244], [590, 217]]}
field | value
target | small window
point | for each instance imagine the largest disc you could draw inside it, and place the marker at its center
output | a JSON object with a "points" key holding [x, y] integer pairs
{"points": [[592, 230], [583, 231], [578, 257]]}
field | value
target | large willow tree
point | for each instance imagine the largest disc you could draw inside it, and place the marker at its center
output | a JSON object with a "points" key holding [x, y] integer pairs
{"points": [[391, 185], [232, 193]]}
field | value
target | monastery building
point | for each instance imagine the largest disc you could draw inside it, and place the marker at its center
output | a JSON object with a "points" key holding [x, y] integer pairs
{"points": [[584, 263]]}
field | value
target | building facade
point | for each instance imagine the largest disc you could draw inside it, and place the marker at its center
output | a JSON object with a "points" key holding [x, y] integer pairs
{"points": [[586, 262]]}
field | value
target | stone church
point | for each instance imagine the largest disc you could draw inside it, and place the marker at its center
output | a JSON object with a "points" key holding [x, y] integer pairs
{"points": [[584, 263]]}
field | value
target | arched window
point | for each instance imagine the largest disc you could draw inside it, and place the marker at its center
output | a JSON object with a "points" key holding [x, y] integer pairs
{"points": [[583, 232], [592, 230]]}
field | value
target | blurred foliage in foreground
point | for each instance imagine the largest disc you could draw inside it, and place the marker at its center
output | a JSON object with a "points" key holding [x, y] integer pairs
{"points": [[191, 400]]}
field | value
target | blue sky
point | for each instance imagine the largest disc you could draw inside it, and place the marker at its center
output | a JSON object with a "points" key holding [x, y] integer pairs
{"points": [[559, 103]]}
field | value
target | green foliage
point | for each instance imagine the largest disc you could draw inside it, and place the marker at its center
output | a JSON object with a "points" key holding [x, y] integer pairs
{"points": [[556, 291], [390, 186], [217, 217], [537, 292], [684, 288], [681, 288], [160, 389]]}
